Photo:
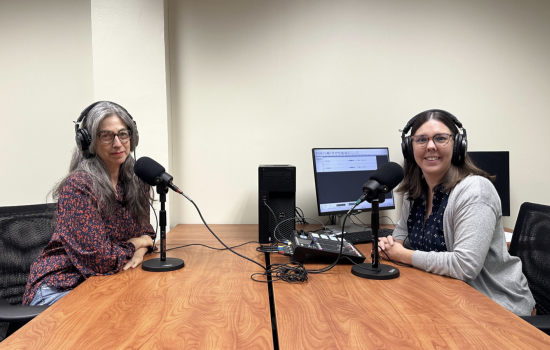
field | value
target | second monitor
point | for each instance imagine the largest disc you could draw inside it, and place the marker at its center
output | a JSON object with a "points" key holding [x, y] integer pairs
{"points": [[340, 174]]}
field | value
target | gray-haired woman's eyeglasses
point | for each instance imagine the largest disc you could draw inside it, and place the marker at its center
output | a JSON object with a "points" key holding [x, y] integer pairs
{"points": [[107, 137]]}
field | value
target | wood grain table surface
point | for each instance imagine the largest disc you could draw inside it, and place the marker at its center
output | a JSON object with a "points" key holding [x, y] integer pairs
{"points": [[209, 304], [213, 304], [418, 310]]}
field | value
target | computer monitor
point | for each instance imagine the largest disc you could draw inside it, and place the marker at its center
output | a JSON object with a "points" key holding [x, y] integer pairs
{"points": [[340, 174], [496, 163]]}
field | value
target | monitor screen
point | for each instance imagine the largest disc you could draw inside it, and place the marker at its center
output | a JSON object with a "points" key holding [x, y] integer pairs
{"points": [[340, 174], [496, 163]]}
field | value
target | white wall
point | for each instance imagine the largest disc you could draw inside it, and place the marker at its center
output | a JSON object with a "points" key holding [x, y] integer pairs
{"points": [[57, 58], [265, 82], [45, 82], [129, 55]]}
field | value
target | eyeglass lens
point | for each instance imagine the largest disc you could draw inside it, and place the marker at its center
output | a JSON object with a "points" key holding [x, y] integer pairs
{"points": [[109, 136], [439, 139]]}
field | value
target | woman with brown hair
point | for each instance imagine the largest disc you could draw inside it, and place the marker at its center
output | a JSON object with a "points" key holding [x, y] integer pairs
{"points": [[451, 219]]}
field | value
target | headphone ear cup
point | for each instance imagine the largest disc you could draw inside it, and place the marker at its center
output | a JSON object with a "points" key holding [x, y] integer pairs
{"points": [[459, 149], [411, 151], [137, 136], [463, 147], [83, 142], [407, 150]]}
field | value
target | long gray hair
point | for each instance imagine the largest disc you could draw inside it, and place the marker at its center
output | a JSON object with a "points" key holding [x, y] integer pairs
{"points": [[136, 197]]}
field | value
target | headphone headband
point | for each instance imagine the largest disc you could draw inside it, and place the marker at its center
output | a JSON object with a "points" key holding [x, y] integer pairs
{"points": [[413, 119], [86, 110]]}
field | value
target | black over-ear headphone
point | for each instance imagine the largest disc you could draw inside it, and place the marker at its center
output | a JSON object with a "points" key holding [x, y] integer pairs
{"points": [[83, 137], [460, 141]]}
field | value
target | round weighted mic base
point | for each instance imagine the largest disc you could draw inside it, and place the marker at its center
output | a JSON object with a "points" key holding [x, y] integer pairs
{"points": [[156, 265], [383, 272]]}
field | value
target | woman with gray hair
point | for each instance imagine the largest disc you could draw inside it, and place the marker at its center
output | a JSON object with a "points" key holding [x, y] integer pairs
{"points": [[102, 221]]}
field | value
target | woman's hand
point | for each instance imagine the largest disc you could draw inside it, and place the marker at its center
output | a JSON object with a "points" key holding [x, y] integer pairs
{"points": [[386, 244], [141, 242], [394, 250], [136, 259]]}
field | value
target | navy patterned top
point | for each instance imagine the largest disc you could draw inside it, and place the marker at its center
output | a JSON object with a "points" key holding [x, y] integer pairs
{"points": [[428, 237], [85, 243]]}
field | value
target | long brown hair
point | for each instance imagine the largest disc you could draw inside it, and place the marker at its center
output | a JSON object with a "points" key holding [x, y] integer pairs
{"points": [[414, 182]]}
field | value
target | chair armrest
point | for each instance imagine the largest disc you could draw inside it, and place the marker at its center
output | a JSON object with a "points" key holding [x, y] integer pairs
{"points": [[542, 322], [20, 313]]}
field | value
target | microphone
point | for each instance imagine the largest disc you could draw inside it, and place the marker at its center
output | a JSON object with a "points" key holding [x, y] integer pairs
{"points": [[153, 174], [383, 180]]}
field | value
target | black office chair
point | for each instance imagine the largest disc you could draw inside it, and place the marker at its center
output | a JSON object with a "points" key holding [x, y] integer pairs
{"points": [[531, 243], [24, 232]]}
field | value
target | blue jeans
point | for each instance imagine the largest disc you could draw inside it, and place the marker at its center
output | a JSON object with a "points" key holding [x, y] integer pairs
{"points": [[46, 295]]}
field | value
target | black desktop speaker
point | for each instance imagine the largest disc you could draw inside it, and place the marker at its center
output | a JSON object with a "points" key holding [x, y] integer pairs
{"points": [[276, 202]]}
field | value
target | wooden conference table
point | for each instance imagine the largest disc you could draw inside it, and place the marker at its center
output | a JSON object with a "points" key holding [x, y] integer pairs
{"points": [[213, 304], [209, 304]]}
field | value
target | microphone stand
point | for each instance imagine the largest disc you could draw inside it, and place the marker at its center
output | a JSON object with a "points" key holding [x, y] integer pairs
{"points": [[163, 264], [375, 271]]}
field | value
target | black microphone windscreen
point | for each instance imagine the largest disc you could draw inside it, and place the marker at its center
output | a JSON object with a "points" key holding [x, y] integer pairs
{"points": [[389, 174], [148, 170]]}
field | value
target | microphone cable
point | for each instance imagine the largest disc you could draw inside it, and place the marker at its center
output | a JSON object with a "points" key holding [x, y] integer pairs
{"points": [[214, 248], [363, 226], [324, 269], [219, 240], [295, 218], [301, 216], [278, 272], [329, 267], [395, 262], [289, 272], [277, 224], [298, 270], [284, 272], [281, 272], [200, 214], [386, 254]]}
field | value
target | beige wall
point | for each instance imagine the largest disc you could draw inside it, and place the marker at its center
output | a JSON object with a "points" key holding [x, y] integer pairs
{"points": [[255, 82], [45, 82], [129, 55], [265, 82], [57, 58]]}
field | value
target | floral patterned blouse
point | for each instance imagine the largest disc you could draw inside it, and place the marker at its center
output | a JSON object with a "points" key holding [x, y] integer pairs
{"points": [[85, 243]]}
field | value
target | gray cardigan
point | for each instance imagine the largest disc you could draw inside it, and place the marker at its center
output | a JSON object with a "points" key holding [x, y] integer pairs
{"points": [[476, 246]]}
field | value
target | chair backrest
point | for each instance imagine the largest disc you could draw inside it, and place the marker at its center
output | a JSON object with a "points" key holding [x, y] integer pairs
{"points": [[531, 243], [24, 232]]}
